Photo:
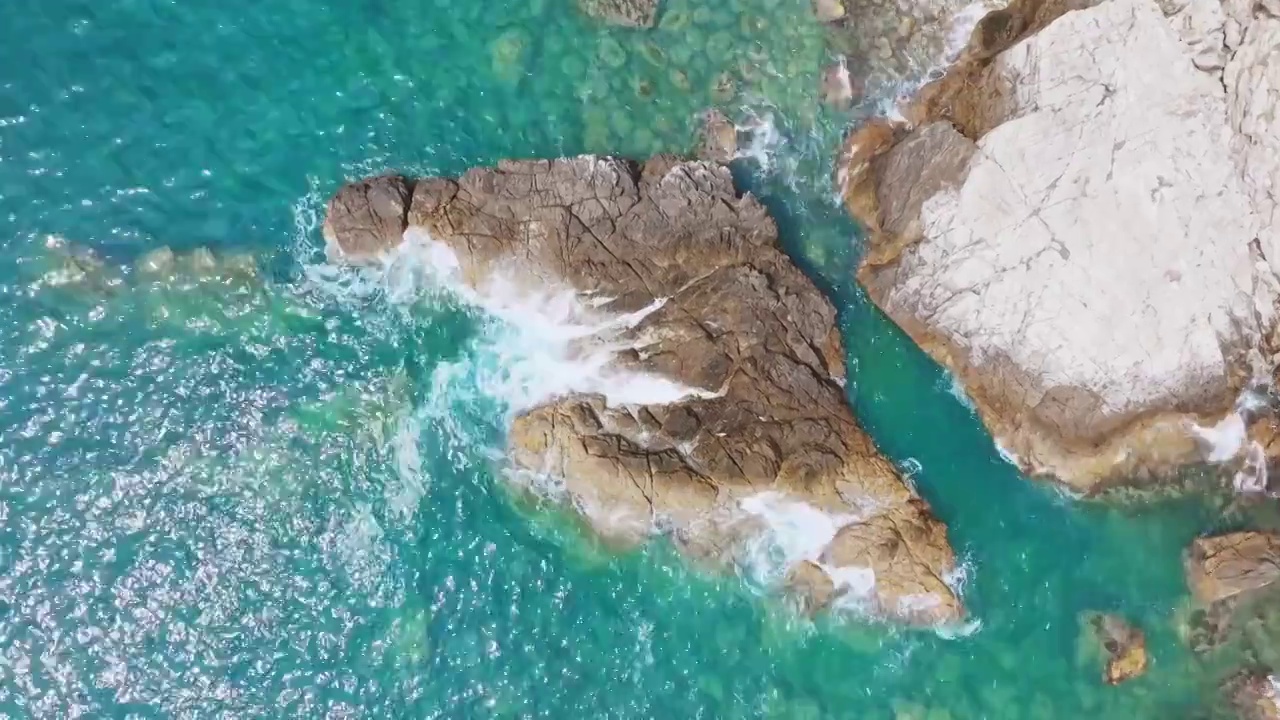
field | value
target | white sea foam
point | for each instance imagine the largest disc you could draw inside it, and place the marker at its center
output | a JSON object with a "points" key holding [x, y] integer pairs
{"points": [[796, 531], [551, 341], [1007, 456], [962, 25], [1224, 440], [763, 140], [957, 391]]}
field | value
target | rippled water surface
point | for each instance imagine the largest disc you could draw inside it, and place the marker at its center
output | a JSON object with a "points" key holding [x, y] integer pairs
{"points": [[244, 484]]}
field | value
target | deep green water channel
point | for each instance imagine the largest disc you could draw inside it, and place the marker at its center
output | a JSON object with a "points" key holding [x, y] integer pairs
{"points": [[269, 488]]}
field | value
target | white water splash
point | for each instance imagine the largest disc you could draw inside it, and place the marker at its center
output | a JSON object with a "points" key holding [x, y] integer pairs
{"points": [[1224, 440], [962, 25], [763, 140], [1006, 455], [795, 531], [956, 389]]}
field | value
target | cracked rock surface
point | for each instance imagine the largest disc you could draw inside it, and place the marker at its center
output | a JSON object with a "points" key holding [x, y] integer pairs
{"points": [[762, 428], [1078, 221], [1222, 567]]}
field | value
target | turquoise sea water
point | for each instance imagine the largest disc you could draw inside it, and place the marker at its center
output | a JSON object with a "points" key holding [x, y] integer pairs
{"points": [[249, 485]]}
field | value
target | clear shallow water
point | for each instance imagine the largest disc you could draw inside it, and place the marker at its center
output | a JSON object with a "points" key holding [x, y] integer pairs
{"points": [[267, 489]]}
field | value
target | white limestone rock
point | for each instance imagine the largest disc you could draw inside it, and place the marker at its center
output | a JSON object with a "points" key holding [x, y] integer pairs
{"points": [[1098, 268]]}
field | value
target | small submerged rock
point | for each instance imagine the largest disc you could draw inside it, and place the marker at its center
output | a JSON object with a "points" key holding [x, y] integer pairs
{"points": [[838, 89], [827, 11], [1254, 695], [714, 412], [623, 13], [1124, 645], [718, 139], [160, 261]]}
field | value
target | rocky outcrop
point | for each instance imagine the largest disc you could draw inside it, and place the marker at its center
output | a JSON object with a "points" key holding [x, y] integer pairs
{"points": [[1077, 220], [1221, 567], [624, 13], [750, 442]]}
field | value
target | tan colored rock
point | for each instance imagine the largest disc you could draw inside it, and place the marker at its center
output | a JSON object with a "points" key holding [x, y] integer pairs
{"points": [[1063, 224], [623, 13], [752, 443], [827, 11], [1125, 647], [1221, 567], [367, 218], [718, 138]]}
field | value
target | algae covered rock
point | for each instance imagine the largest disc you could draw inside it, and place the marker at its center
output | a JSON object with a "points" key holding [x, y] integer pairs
{"points": [[623, 13], [1124, 647], [743, 429]]}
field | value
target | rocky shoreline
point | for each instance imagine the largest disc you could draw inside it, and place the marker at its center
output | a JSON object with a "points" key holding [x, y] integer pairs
{"points": [[680, 276]]}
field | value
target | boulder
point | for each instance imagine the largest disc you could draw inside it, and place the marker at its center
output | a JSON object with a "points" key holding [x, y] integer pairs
{"points": [[1221, 567], [744, 447], [623, 13], [1125, 647], [1074, 221], [367, 218]]}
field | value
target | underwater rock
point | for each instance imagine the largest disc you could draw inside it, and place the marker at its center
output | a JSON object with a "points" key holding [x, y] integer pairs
{"points": [[837, 86], [1125, 647], [718, 138], [624, 13], [1040, 225], [1220, 567], [1254, 695], [367, 218], [160, 261], [827, 11], [725, 425]]}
